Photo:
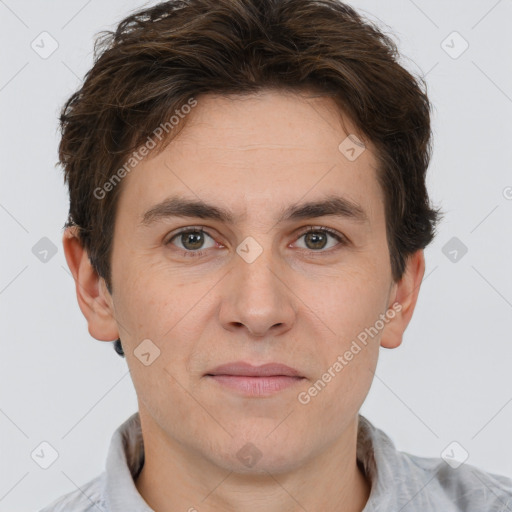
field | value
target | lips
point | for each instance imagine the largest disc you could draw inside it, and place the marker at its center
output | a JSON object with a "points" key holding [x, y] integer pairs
{"points": [[241, 368], [254, 381]]}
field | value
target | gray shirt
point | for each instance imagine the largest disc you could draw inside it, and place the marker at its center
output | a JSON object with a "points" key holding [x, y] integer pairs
{"points": [[400, 482]]}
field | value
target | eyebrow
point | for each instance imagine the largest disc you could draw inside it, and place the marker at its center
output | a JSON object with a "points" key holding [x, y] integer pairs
{"points": [[335, 206]]}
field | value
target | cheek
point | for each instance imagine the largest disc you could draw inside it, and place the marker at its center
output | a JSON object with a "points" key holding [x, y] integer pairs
{"points": [[332, 399], [348, 303], [148, 303], [350, 307], [170, 313]]}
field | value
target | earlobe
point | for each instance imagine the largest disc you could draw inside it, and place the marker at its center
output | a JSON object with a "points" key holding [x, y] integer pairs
{"points": [[93, 298], [403, 300]]}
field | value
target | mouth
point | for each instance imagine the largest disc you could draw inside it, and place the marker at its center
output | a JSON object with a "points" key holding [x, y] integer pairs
{"points": [[250, 380]]}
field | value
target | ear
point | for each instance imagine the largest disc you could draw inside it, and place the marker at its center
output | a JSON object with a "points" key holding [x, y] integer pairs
{"points": [[403, 297], [93, 297]]}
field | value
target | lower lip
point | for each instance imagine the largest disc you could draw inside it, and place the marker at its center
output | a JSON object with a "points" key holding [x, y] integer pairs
{"points": [[256, 386]]}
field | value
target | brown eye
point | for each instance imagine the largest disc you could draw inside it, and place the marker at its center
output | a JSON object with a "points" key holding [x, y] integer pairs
{"points": [[191, 240], [316, 239]]}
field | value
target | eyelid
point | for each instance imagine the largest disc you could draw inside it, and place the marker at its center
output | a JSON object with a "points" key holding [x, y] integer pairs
{"points": [[331, 231], [186, 229]]}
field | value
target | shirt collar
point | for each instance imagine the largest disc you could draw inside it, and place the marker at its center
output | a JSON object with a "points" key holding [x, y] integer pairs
{"points": [[375, 452], [124, 462]]}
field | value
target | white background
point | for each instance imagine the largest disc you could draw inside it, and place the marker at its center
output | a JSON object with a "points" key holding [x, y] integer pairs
{"points": [[450, 379]]}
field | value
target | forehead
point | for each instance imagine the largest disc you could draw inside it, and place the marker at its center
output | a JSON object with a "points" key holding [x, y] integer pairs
{"points": [[255, 151]]}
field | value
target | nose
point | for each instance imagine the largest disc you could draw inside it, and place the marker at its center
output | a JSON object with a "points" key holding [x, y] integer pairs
{"points": [[257, 298]]}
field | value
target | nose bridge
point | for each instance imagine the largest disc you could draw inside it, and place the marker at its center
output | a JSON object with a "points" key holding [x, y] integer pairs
{"points": [[254, 266], [258, 299]]}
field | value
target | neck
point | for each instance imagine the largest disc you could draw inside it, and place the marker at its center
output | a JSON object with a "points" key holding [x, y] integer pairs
{"points": [[176, 478]]}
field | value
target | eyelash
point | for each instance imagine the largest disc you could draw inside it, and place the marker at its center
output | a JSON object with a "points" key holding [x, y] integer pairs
{"points": [[315, 229]]}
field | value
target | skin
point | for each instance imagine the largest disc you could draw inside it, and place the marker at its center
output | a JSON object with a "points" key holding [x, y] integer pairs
{"points": [[295, 304]]}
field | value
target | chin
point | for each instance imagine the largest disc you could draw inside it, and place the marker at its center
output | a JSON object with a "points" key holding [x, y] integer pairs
{"points": [[260, 455]]}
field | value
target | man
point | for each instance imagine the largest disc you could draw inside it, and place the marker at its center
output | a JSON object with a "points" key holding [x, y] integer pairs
{"points": [[248, 214]]}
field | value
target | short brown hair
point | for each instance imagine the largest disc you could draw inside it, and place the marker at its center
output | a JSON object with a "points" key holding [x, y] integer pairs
{"points": [[160, 57]]}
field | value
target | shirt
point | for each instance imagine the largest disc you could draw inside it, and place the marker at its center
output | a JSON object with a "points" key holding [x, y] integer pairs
{"points": [[400, 482]]}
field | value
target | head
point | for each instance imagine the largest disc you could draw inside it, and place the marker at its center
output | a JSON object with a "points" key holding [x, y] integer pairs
{"points": [[209, 147]]}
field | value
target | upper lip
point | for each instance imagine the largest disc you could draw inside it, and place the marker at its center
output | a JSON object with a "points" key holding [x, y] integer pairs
{"points": [[248, 370]]}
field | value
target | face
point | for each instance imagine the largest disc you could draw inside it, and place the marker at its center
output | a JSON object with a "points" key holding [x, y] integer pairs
{"points": [[253, 277]]}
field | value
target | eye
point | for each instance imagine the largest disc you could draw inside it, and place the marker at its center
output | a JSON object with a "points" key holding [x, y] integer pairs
{"points": [[317, 238], [192, 240]]}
